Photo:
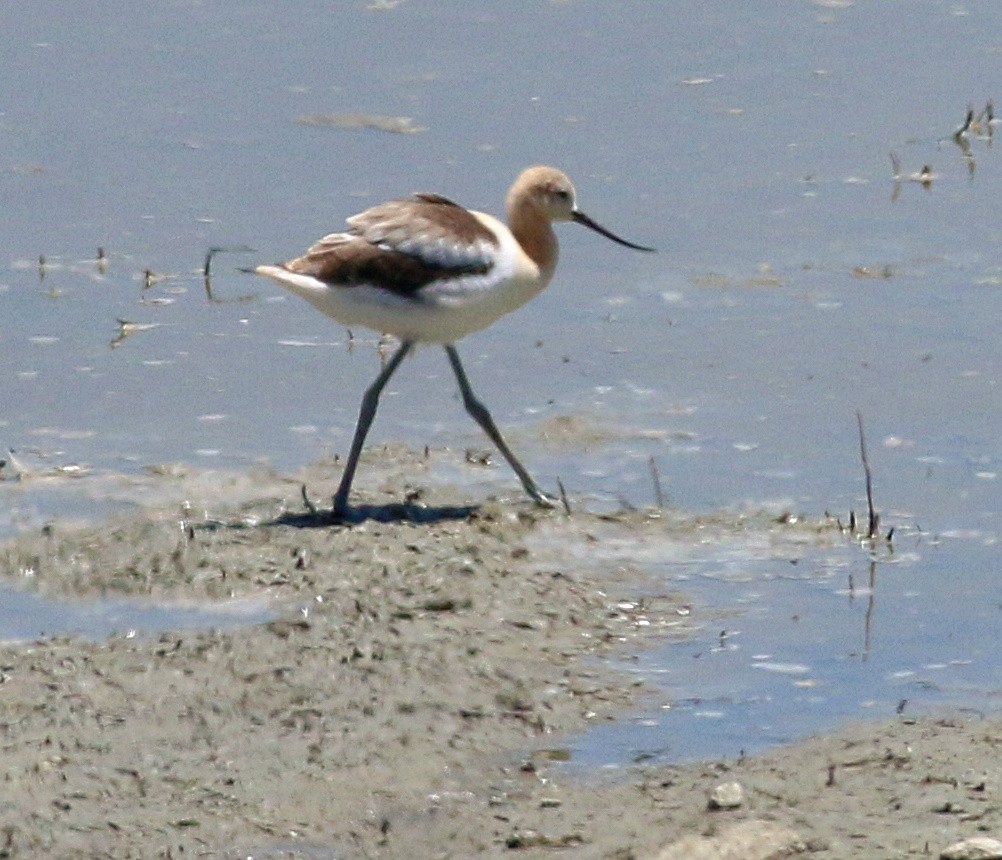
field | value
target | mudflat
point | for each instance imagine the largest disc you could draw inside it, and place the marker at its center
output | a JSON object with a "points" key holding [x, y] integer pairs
{"points": [[409, 695]]}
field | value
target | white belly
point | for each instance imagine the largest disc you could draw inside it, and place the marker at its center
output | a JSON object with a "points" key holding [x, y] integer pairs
{"points": [[440, 312]]}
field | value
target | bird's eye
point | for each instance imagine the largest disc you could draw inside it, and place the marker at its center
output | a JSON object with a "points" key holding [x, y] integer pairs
{"points": [[562, 194]]}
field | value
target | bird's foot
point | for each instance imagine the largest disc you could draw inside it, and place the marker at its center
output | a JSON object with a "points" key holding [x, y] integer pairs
{"points": [[342, 512]]}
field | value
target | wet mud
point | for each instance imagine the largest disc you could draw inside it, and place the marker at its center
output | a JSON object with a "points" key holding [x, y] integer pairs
{"points": [[411, 695]]}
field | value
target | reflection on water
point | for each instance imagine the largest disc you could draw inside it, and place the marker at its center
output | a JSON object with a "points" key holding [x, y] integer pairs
{"points": [[978, 129], [786, 647], [871, 601], [798, 283]]}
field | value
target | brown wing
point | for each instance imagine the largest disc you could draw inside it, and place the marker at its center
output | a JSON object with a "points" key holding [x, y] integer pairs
{"points": [[402, 245]]}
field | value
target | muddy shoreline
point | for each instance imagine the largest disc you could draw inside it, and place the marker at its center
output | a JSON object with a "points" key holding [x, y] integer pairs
{"points": [[410, 696]]}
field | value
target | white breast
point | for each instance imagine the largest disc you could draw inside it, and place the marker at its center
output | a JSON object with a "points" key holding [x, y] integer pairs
{"points": [[442, 311]]}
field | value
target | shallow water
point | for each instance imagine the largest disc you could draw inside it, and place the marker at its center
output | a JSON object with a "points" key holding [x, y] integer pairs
{"points": [[786, 644], [797, 283], [25, 617]]}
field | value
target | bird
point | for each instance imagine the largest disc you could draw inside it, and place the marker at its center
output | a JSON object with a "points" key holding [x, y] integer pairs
{"points": [[429, 271]]}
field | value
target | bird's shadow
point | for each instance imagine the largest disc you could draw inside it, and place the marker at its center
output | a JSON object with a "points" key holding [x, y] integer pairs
{"points": [[397, 512], [394, 512]]}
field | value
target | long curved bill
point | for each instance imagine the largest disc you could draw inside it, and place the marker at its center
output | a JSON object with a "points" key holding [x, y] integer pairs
{"points": [[580, 218]]}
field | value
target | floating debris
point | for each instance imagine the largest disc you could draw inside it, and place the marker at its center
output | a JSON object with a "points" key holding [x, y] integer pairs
{"points": [[379, 122], [13, 468], [151, 278], [72, 470], [872, 272], [24, 170], [976, 126], [980, 125], [207, 273], [478, 457], [924, 177], [985, 122], [126, 329]]}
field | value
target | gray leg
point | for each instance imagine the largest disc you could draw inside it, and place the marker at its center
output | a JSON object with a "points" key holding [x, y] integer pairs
{"points": [[368, 411], [480, 414]]}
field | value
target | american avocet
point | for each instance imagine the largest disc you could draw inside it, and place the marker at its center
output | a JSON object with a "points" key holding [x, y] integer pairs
{"points": [[427, 270]]}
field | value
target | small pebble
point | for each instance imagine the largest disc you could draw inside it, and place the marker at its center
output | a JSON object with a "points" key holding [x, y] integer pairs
{"points": [[975, 848], [727, 795]]}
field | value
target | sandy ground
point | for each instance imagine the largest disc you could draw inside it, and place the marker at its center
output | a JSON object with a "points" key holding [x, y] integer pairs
{"points": [[409, 696]]}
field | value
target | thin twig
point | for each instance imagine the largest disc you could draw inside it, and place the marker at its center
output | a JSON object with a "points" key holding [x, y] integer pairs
{"points": [[968, 120], [207, 271], [659, 496], [874, 520], [312, 508], [563, 497]]}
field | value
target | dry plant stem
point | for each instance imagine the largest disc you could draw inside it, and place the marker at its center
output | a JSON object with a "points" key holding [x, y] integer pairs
{"points": [[207, 273], [659, 496], [312, 508], [874, 520], [563, 497]]}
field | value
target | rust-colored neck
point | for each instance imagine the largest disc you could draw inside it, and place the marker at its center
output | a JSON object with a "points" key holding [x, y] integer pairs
{"points": [[534, 232]]}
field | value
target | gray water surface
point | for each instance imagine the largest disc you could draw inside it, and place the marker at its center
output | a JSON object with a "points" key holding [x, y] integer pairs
{"points": [[796, 283], [25, 617]]}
